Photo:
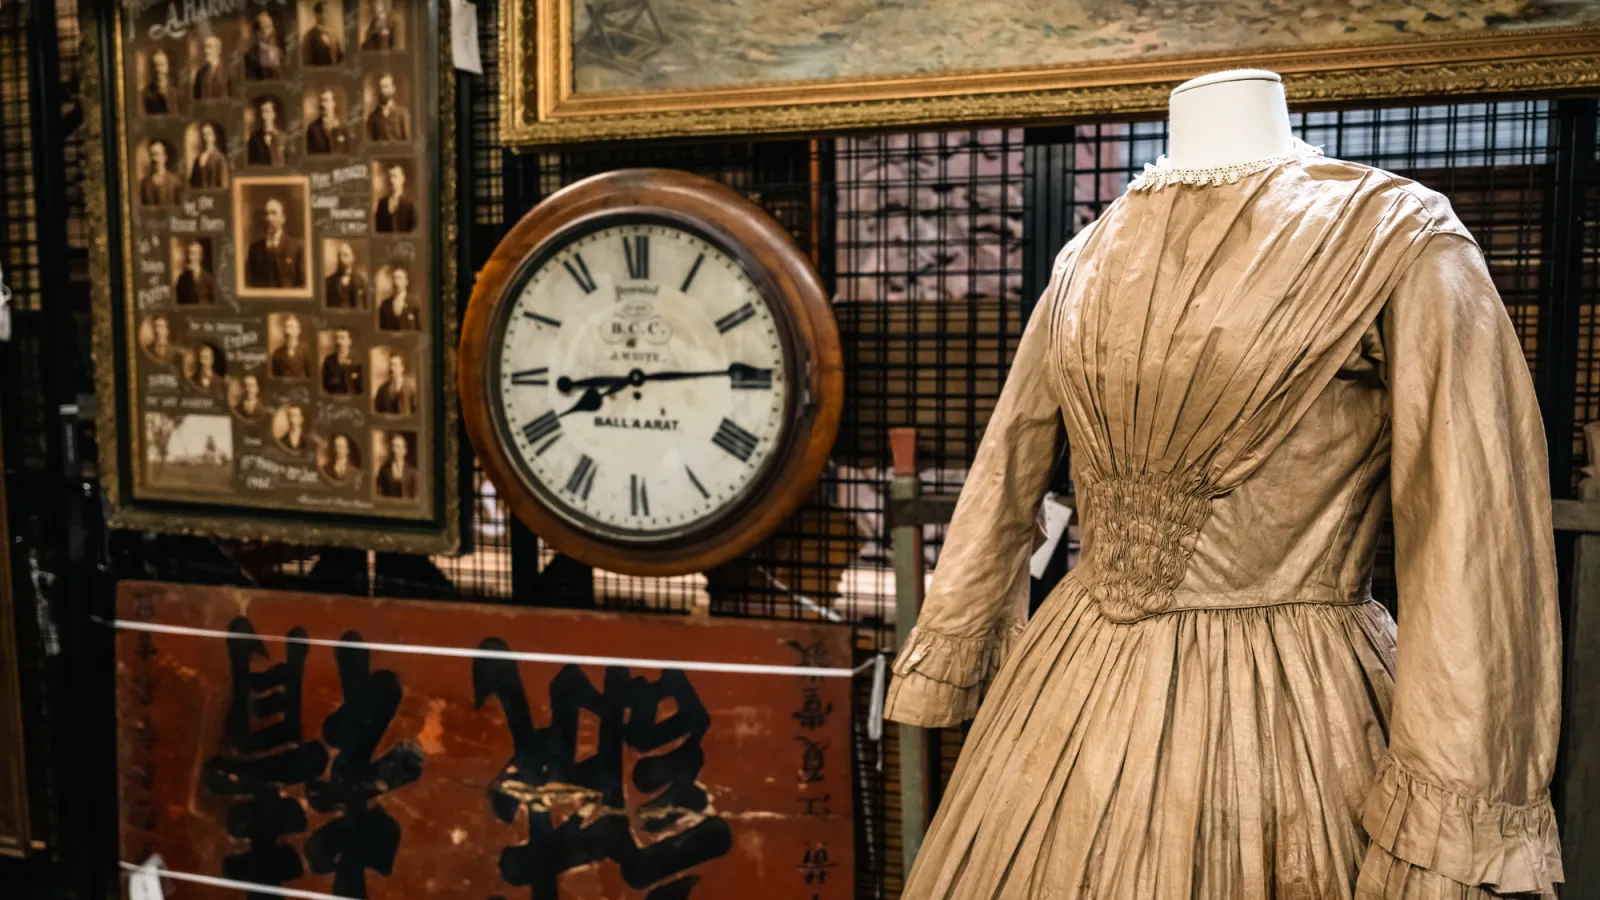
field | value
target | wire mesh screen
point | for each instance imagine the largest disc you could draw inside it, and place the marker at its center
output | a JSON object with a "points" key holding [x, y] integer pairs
{"points": [[1493, 160], [1586, 398], [33, 509]]}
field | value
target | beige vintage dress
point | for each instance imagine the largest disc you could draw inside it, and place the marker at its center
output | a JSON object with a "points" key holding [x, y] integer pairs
{"points": [[1252, 368]]}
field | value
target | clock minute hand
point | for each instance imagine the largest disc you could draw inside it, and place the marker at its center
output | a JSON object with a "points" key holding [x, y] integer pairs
{"points": [[593, 398], [735, 371]]}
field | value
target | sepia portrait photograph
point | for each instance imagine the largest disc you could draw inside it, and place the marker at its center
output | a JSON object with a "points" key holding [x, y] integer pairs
{"points": [[394, 387], [155, 339], [262, 35], [189, 452], [265, 120], [290, 429], [272, 225], [387, 98], [393, 209], [394, 459], [189, 261], [206, 148], [341, 367], [153, 160], [323, 108], [288, 346], [204, 366], [382, 25], [210, 77], [338, 458], [244, 396], [399, 309], [321, 32], [344, 274], [158, 80]]}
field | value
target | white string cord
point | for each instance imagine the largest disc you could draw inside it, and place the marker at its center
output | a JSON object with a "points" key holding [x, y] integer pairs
{"points": [[212, 881], [517, 655]]}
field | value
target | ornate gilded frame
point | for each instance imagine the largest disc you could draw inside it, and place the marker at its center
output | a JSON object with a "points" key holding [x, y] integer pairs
{"points": [[111, 336], [538, 106]]}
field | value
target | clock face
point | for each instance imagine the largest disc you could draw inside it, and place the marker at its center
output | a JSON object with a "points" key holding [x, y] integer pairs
{"points": [[641, 380]]}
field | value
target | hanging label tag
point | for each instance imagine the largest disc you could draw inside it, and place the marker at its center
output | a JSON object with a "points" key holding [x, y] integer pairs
{"points": [[5, 309], [1057, 516], [145, 882], [464, 36]]}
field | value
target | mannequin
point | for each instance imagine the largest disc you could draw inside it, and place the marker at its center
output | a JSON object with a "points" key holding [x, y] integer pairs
{"points": [[1210, 705], [1227, 118]]}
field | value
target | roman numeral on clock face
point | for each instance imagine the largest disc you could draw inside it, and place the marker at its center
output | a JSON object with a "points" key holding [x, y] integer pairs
{"points": [[637, 248], [735, 440], [736, 318], [531, 377], [582, 478], [640, 497], [697, 485], [542, 427], [580, 272], [693, 270]]}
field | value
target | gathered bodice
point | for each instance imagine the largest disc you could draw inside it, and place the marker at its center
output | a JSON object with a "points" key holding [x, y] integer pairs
{"points": [[1210, 352], [1302, 528]]}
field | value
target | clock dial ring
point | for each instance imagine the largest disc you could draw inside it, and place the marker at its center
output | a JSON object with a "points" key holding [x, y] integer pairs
{"points": [[793, 294], [548, 257]]}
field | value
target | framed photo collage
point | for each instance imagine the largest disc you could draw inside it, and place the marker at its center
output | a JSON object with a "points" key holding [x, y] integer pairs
{"points": [[284, 314]]}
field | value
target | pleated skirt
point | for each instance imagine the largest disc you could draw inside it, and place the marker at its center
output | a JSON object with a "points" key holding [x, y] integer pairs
{"points": [[1193, 755]]}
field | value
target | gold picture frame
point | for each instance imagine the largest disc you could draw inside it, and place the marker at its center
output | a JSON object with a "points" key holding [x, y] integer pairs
{"points": [[250, 191], [115, 337], [539, 104]]}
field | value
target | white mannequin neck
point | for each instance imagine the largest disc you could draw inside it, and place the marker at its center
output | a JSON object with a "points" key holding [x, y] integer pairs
{"points": [[1228, 118]]}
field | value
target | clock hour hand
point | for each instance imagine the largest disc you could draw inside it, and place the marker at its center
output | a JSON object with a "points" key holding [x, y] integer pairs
{"points": [[567, 385], [589, 402]]}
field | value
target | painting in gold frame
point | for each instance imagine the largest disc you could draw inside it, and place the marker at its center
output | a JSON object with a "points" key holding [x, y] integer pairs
{"points": [[124, 114], [585, 70]]}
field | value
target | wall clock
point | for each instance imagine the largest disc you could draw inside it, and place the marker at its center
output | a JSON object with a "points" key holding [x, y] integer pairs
{"points": [[650, 372]]}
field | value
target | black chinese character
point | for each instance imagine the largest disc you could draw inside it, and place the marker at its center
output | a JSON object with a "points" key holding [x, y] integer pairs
{"points": [[815, 865], [267, 759], [575, 802], [813, 712], [814, 654], [816, 806], [364, 836], [811, 760]]}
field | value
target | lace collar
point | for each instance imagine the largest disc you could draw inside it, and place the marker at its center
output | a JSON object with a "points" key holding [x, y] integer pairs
{"points": [[1161, 173]]}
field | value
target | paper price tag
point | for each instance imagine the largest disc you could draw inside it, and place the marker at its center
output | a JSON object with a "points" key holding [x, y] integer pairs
{"points": [[1057, 516], [145, 882], [5, 309], [464, 36]]}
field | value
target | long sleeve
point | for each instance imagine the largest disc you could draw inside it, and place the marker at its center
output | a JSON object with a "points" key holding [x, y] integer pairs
{"points": [[977, 601], [1461, 803]]}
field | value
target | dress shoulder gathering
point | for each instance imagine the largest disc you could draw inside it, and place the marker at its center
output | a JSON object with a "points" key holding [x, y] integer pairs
{"points": [[1253, 367]]}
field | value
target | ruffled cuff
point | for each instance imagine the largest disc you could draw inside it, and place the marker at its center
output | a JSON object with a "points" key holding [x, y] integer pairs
{"points": [[1383, 877], [1469, 840], [939, 681]]}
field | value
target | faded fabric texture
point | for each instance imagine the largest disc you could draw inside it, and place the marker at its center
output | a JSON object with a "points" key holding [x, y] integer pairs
{"points": [[1250, 375]]}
